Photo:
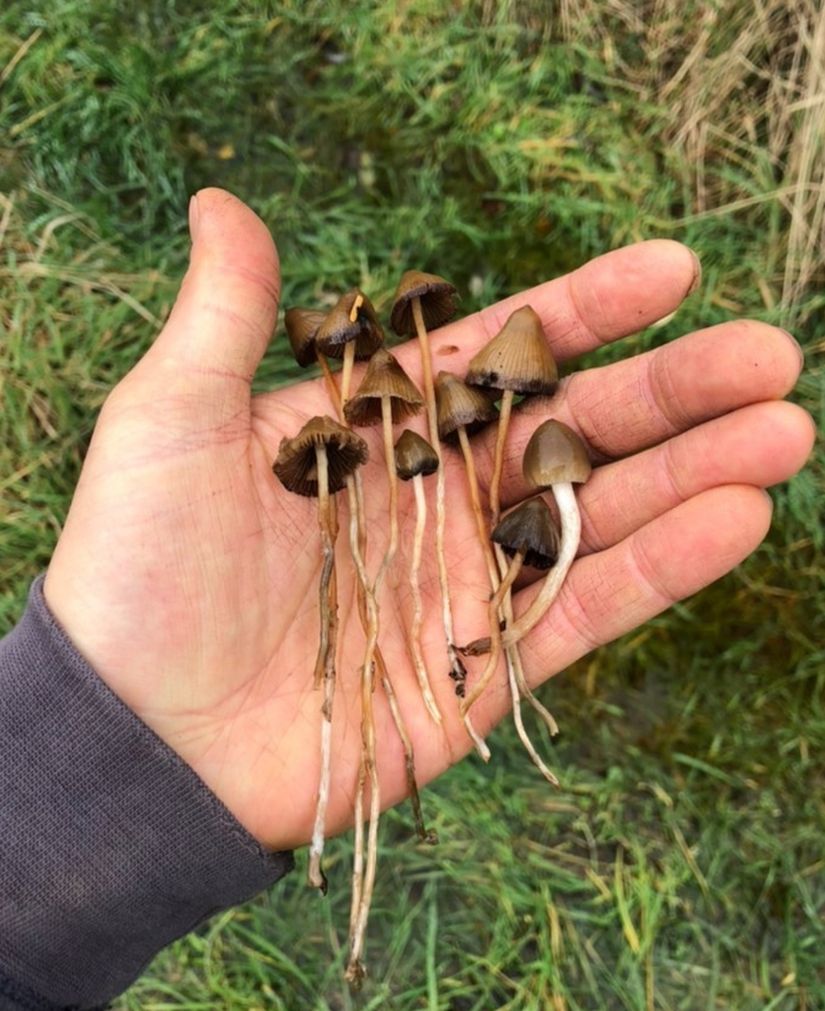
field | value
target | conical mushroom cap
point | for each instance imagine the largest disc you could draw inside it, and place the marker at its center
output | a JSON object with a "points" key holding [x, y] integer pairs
{"points": [[517, 358], [384, 378], [413, 456], [438, 302], [301, 327], [531, 529], [553, 455], [296, 466], [338, 329], [459, 404]]}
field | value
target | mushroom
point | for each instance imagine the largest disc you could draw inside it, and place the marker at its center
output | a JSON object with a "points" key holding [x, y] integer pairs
{"points": [[516, 360], [555, 458], [302, 327], [318, 462], [416, 459], [350, 331], [423, 302], [386, 395]]}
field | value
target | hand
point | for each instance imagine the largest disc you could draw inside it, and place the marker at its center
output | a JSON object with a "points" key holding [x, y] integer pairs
{"points": [[187, 575]]}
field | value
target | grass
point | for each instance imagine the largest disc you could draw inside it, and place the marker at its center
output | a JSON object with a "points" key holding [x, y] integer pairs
{"points": [[681, 866]]}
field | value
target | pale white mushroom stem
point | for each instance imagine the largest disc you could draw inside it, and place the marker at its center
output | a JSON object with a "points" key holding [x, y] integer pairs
{"points": [[418, 610], [570, 536], [456, 665]]}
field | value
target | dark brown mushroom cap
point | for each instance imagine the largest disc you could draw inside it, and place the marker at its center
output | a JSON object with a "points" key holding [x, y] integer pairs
{"points": [[517, 358], [530, 529], [414, 456], [296, 466], [459, 404], [384, 378], [338, 329], [555, 454], [438, 302], [301, 327]]}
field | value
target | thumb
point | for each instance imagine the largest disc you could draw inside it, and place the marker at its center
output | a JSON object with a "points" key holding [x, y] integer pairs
{"points": [[227, 306]]}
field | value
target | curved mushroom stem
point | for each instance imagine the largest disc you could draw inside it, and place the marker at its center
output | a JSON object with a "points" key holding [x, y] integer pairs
{"points": [[518, 667], [458, 672], [495, 632], [326, 657], [570, 537], [418, 610], [498, 459]]}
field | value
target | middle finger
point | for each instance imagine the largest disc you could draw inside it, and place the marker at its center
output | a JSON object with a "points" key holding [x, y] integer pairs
{"points": [[627, 406]]}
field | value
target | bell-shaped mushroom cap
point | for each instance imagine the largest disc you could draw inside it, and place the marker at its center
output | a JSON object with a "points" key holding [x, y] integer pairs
{"points": [[517, 358], [301, 327], [530, 529], [414, 456], [296, 466], [554, 454], [438, 302], [459, 404], [338, 328], [384, 378]]}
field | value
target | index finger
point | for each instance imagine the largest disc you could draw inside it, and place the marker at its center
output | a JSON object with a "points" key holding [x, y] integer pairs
{"points": [[613, 296]]}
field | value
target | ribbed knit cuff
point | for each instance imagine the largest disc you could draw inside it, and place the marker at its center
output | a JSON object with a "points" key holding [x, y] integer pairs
{"points": [[110, 845]]}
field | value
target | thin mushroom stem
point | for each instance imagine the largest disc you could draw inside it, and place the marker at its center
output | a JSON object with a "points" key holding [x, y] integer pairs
{"points": [[363, 877], [328, 556], [457, 669], [498, 459], [392, 481], [329, 382], [515, 656], [570, 537], [495, 632], [346, 372], [326, 654], [349, 354], [418, 610], [512, 680], [421, 830]]}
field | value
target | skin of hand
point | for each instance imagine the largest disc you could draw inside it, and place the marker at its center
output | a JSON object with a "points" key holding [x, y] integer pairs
{"points": [[187, 576]]}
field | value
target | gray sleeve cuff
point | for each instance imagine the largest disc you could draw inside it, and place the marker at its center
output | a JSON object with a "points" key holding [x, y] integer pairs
{"points": [[110, 845]]}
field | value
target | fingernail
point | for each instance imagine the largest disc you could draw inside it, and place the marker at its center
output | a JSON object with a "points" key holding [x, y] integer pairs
{"points": [[697, 273], [194, 216], [796, 345]]}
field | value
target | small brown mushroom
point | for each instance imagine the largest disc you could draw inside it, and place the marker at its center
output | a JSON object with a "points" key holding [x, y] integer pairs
{"points": [[351, 331], [318, 462], [516, 360], [426, 301], [302, 327], [415, 459], [555, 458], [386, 395]]}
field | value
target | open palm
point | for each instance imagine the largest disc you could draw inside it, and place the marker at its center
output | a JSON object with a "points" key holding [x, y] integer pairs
{"points": [[188, 576]]}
